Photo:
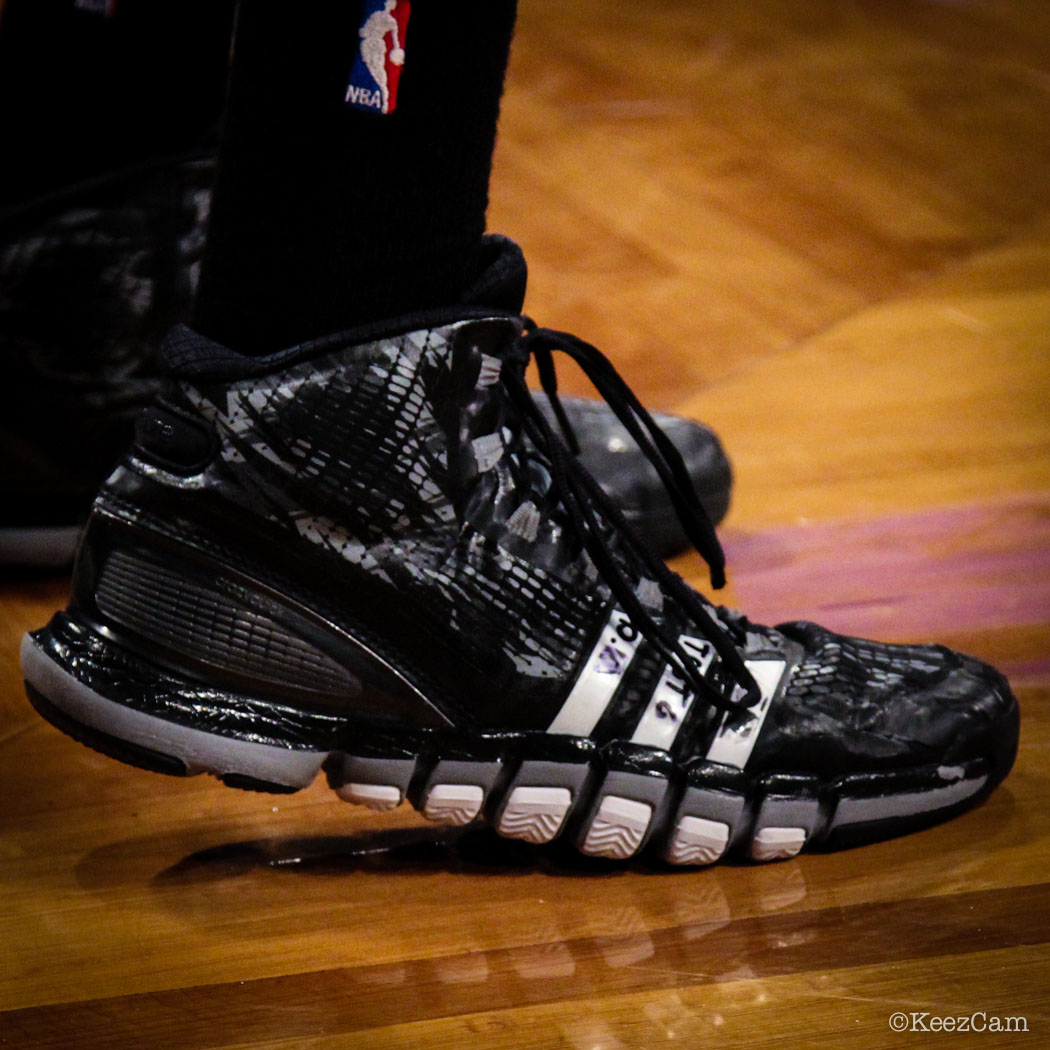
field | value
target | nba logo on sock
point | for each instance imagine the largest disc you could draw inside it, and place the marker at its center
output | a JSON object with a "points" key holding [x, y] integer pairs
{"points": [[380, 56]]}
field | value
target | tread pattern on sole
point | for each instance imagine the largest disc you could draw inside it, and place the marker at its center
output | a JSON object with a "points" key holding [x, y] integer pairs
{"points": [[617, 829], [771, 843], [535, 814], [453, 804], [612, 813], [697, 840]]}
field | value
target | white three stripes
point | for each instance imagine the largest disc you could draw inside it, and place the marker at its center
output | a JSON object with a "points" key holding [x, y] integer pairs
{"points": [[671, 700]]}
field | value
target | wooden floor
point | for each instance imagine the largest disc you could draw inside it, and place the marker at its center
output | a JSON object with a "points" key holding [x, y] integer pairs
{"points": [[825, 228]]}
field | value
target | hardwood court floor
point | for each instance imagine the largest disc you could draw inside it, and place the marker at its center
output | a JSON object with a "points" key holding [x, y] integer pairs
{"points": [[825, 228]]}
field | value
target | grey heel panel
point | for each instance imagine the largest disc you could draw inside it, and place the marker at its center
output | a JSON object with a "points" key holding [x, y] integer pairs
{"points": [[192, 616]]}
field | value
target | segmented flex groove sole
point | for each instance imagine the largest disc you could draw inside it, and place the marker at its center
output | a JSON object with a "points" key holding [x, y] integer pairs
{"points": [[610, 802]]}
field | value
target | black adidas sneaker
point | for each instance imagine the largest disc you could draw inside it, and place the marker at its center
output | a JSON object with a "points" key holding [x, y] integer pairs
{"points": [[609, 453], [93, 277], [371, 555], [90, 280]]}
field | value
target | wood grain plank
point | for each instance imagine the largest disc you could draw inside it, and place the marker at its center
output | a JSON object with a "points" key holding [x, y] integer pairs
{"points": [[825, 229], [354, 999]]}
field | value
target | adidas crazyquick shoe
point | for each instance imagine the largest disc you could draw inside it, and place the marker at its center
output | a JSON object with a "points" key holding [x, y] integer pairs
{"points": [[93, 277], [90, 280], [372, 556], [612, 458]]}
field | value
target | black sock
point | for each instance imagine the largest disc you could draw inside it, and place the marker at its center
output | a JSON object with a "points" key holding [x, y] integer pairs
{"points": [[326, 214], [89, 86]]}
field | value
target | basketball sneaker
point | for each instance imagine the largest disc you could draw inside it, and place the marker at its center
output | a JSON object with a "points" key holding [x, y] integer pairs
{"points": [[612, 458], [372, 556], [90, 280]]}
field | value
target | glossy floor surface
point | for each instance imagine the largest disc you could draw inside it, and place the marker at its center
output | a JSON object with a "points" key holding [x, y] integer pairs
{"points": [[825, 229]]}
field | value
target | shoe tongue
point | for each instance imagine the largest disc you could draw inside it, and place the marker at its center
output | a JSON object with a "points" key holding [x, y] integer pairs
{"points": [[501, 278]]}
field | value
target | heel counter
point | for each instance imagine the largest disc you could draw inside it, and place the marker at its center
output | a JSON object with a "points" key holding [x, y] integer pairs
{"points": [[185, 610]]}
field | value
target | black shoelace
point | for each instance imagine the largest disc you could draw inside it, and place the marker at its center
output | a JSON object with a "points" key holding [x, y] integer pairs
{"points": [[592, 512]]}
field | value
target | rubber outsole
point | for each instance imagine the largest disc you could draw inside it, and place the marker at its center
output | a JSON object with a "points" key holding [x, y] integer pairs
{"points": [[611, 802]]}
